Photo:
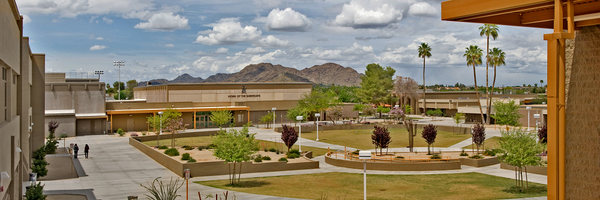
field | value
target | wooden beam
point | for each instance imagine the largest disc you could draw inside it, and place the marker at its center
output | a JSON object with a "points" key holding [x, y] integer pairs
{"points": [[579, 9], [590, 22], [456, 9]]}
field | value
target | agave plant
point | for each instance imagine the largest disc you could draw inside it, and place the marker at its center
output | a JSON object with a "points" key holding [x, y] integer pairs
{"points": [[160, 191]]}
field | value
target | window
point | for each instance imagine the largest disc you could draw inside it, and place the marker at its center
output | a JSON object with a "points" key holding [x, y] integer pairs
{"points": [[3, 74]]}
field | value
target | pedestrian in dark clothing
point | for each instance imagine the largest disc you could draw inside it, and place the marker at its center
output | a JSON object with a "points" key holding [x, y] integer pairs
{"points": [[75, 149], [86, 150]]}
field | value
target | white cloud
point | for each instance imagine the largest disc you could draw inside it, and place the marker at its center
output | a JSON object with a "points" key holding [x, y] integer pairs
{"points": [[164, 22], [255, 50], [267, 3], [356, 52], [98, 47], [26, 19], [99, 38], [73, 8], [287, 20], [169, 45], [371, 13], [228, 31], [221, 50], [422, 9], [107, 20], [272, 42], [235, 62]]}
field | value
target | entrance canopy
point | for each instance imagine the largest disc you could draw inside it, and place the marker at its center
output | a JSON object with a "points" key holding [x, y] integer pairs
{"points": [[526, 13]]}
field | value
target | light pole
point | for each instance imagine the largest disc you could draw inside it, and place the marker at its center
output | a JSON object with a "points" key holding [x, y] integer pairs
{"points": [[99, 73], [119, 63], [536, 117], [274, 109], [317, 115], [528, 108], [300, 118], [160, 128], [364, 156]]}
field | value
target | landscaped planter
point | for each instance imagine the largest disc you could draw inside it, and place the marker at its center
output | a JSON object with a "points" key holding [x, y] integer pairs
{"points": [[541, 170], [480, 162], [463, 130], [387, 166]]}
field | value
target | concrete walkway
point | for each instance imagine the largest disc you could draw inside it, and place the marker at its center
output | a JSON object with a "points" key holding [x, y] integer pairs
{"points": [[115, 170]]}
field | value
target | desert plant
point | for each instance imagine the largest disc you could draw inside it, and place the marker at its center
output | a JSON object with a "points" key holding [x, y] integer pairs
{"points": [[266, 158], [400, 157], [273, 150], [463, 153], [35, 192], [172, 152], [476, 156], [289, 136], [258, 159], [163, 147], [185, 156], [120, 132], [478, 135], [191, 160], [429, 134], [381, 138], [293, 155], [283, 159], [160, 191], [435, 156], [189, 148]]}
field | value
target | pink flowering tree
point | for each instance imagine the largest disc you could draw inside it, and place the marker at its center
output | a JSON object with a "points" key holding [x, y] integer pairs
{"points": [[396, 113], [174, 126]]}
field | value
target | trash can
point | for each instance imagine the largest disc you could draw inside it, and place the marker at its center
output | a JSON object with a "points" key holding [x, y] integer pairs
{"points": [[132, 198]]}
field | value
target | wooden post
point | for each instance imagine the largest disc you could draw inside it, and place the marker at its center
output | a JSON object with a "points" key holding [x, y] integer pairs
{"points": [[194, 119]]}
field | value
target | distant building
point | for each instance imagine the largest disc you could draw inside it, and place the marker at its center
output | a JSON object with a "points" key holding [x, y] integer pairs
{"points": [[22, 102]]}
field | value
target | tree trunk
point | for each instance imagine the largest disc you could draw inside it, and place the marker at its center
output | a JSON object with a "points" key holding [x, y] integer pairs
{"points": [[487, 87], [477, 93], [516, 180], [233, 179], [490, 102], [424, 97], [526, 178], [240, 175]]}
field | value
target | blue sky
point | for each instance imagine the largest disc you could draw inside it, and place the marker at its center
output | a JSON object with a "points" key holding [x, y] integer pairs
{"points": [[164, 39]]}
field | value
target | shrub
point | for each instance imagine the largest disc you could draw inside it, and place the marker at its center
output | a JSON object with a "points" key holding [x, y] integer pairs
{"points": [[134, 135], [211, 146], [39, 162], [189, 148], [400, 157], [283, 160], [463, 153], [435, 156], [492, 152], [144, 133], [163, 147], [201, 147], [273, 150], [296, 151], [265, 149], [266, 158], [35, 192], [185, 156], [191, 160], [355, 152], [258, 159], [293, 155], [172, 152], [277, 152], [120, 132], [477, 156]]}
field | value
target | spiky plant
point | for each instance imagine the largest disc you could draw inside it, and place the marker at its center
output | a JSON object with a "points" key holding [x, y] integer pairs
{"points": [[159, 191]]}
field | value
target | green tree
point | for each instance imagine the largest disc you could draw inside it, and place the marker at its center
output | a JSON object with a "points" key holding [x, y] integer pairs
{"points": [[488, 30], [334, 113], [174, 126], [318, 101], [296, 111], [221, 117], [35, 192], [376, 85], [496, 58], [118, 85], [156, 121], [110, 90], [507, 113], [473, 54], [521, 150], [359, 108], [424, 52], [235, 146], [267, 119], [458, 118]]}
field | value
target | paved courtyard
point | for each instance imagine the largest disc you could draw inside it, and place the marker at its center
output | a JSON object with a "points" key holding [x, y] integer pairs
{"points": [[115, 170]]}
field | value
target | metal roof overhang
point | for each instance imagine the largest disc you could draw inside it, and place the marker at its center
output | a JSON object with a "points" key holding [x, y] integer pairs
{"points": [[525, 13], [189, 109]]}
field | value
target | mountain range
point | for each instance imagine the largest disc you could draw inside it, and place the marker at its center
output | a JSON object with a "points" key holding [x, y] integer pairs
{"points": [[328, 73]]}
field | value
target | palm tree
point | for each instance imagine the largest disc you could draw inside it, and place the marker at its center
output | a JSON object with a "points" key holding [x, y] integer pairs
{"points": [[487, 30], [473, 54], [424, 51], [496, 59]]}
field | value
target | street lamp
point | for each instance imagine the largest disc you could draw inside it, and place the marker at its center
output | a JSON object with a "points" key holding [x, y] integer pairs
{"points": [[273, 109], [160, 128], [300, 118], [317, 115], [528, 108], [364, 156], [119, 63], [536, 117]]}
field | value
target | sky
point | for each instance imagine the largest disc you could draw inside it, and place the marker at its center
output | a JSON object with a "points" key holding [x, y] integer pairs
{"points": [[164, 39]]}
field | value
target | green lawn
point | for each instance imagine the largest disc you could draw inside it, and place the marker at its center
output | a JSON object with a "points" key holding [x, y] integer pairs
{"points": [[490, 143], [361, 138], [349, 186], [206, 140]]}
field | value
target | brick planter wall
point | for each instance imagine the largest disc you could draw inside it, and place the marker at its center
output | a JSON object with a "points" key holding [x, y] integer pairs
{"points": [[530, 169], [480, 162], [412, 166]]}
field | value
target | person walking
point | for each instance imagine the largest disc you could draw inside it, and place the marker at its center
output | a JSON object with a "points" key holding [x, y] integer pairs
{"points": [[75, 149], [86, 150]]}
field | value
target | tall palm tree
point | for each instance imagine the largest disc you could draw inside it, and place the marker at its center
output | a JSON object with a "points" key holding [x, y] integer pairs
{"points": [[473, 54], [424, 51], [497, 57], [488, 30]]}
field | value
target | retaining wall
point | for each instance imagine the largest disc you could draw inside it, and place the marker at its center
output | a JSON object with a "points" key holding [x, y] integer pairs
{"points": [[461, 130], [218, 167], [144, 138], [412, 166], [530, 169], [480, 162]]}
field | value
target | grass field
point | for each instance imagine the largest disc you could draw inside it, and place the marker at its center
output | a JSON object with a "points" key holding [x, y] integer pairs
{"points": [[361, 138], [206, 140], [490, 143], [349, 186]]}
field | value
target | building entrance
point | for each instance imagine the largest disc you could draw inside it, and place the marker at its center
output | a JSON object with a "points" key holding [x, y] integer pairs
{"points": [[203, 120]]}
